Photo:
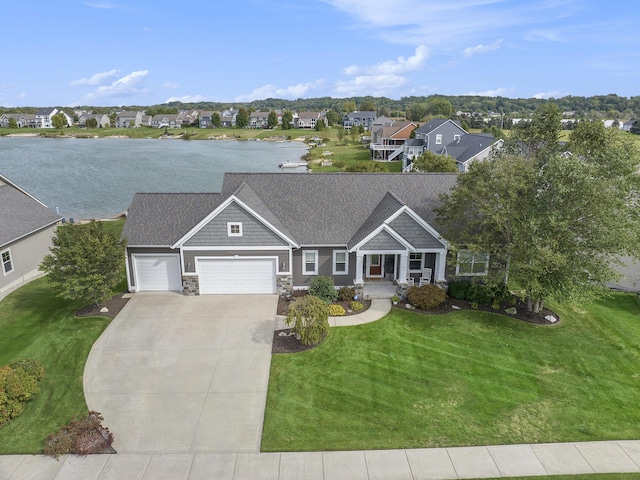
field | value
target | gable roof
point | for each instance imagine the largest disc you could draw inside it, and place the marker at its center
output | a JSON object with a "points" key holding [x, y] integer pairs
{"points": [[312, 209], [434, 124], [21, 213], [468, 146]]}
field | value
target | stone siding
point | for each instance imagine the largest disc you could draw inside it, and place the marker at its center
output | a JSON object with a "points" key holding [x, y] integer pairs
{"points": [[191, 285]]}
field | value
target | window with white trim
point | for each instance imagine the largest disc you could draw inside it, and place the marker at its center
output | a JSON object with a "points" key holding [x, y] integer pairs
{"points": [[309, 262], [234, 229], [415, 262], [472, 264], [7, 263], [340, 262], [438, 139]]}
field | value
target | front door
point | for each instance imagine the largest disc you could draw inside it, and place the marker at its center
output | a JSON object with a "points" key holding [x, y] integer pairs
{"points": [[374, 265]]}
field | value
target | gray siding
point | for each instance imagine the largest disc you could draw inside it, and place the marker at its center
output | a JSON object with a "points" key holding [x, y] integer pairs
{"points": [[383, 241], [254, 233], [447, 130], [190, 264], [325, 267], [413, 232], [26, 256]]}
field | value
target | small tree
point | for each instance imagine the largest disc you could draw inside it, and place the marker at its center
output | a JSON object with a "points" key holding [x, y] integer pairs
{"points": [[340, 132], [272, 120], [92, 123], [85, 263], [59, 121], [13, 123], [216, 119], [287, 119], [432, 162], [242, 119], [323, 288], [308, 318], [320, 125]]}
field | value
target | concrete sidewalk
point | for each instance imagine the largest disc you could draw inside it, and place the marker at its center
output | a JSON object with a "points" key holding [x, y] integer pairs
{"points": [[378, 309], [419, 464]]}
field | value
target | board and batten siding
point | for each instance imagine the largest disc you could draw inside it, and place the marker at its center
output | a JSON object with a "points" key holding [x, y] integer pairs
{"points": [[325, 267], [414, 233], [254, 232]]}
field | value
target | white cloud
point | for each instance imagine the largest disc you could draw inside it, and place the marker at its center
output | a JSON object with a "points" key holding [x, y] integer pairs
{"points": [[97, 79], [291, 92], [400, 65], [22, 95], [376, 85], [127, 86], [498, 92], [469, 51], [547, 95], [102, 5], [171, 85], [191, 99]]}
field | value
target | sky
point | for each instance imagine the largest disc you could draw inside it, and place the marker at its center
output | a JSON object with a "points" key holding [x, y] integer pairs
{"points": [[126, 52]]}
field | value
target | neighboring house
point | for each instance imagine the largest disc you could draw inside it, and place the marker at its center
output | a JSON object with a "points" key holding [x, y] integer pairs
{"points": [[44, 117], [205, 119], [626, 126], [357, 119], [128, 119], [23, 120], [272, 233], [228, 117], [163, 120], [259, 120], [308, 119], [101, 118], [387, 142], [26, 229], [447, 137], [68, 118]]}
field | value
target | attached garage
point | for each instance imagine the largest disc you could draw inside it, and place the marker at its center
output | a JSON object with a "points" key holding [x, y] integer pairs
{"points": [[237, 275], [157, 272]]}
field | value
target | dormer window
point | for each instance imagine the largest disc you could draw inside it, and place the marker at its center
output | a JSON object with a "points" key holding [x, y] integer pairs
{"points": [[234, 229]]}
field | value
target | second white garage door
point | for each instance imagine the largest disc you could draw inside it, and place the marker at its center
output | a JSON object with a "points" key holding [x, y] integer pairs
{"points": [[237, 276]]}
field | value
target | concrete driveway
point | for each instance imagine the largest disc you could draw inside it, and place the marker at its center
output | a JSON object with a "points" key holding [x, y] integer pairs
{"points": [[178, 374]]}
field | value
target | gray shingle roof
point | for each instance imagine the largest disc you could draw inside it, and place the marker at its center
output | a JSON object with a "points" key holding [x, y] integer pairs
{"points": [[434, 124], [163, 218], [21, 214], [311, 208], [468, 146]]}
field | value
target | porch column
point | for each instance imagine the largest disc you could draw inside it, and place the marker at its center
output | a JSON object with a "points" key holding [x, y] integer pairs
{"points": [[359, 267], [441, 262], [402, 271]]}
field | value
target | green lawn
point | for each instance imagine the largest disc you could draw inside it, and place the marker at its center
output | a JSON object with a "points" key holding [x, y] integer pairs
{"points": [[465, 378], [35, 324]]}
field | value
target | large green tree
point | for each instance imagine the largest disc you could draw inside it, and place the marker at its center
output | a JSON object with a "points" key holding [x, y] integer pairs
{"points": [[59, 121], [216, 119], [432, 162], [86, 262], [242, 118], [287, 120], [557, 222], [272, 120]]}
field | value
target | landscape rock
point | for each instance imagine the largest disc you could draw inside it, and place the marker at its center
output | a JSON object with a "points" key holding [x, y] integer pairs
{"points": [[511, 310], [551, 318], [104, 310], [455, 307]]}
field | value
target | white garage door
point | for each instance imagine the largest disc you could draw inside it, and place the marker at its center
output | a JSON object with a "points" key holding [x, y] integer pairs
{"points": [[237, 276], [157, 272]]}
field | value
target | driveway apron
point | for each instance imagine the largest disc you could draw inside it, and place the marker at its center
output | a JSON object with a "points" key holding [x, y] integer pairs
{"points": [[180, 374]]}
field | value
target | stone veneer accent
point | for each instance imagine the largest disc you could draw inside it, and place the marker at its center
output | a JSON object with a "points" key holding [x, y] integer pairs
{"points": [[190, 285], [284, 284], [359, 288], [401, 289]]}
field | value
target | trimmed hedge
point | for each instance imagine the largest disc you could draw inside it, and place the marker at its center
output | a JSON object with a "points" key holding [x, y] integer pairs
{"points": [[486, 294], [426, 297]]}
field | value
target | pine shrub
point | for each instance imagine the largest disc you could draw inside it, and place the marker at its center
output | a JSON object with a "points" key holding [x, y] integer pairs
{"points": [[356, 306], [323, 288], [336, 310]]}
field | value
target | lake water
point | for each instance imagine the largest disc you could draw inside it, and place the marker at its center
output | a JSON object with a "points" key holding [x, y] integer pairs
{"points": [[97, 178]]}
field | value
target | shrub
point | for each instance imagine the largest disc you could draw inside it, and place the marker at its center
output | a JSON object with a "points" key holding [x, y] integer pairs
{"points": [[493, 293], [336, 310], [18, 383], [82, 436], [323, 288], [479, 293], [346, 294], [308, 317], [459, 290], [356, 306], [426, 297]]}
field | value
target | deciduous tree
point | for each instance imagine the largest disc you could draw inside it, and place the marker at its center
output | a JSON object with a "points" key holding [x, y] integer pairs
{"points": [[59, 121], [242, 118], [287, 120], [86, 262], [272, 120], [432, 162]]}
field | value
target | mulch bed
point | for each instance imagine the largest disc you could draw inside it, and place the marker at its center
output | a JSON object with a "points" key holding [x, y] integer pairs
{"points": [[448, 307], [283, 305], [114, 305], [285, 341]]}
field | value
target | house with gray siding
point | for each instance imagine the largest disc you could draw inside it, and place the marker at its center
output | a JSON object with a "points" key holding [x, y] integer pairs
{"points": [[26, 229], [273, 233]]}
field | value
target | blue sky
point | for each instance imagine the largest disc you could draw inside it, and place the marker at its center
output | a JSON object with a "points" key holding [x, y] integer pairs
{"points": [[125, 52]]}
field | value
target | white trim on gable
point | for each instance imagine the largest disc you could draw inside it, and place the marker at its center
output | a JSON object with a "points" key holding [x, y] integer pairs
{"points": [[232, 199], [420, 221], [390, 231]]}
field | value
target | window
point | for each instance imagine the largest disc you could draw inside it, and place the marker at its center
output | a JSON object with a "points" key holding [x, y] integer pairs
{"points": [[456, 137], [340, 262], [7, 264], [415, 262], [234, 229], [309, 262], [472, 264], [438, 139]]}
